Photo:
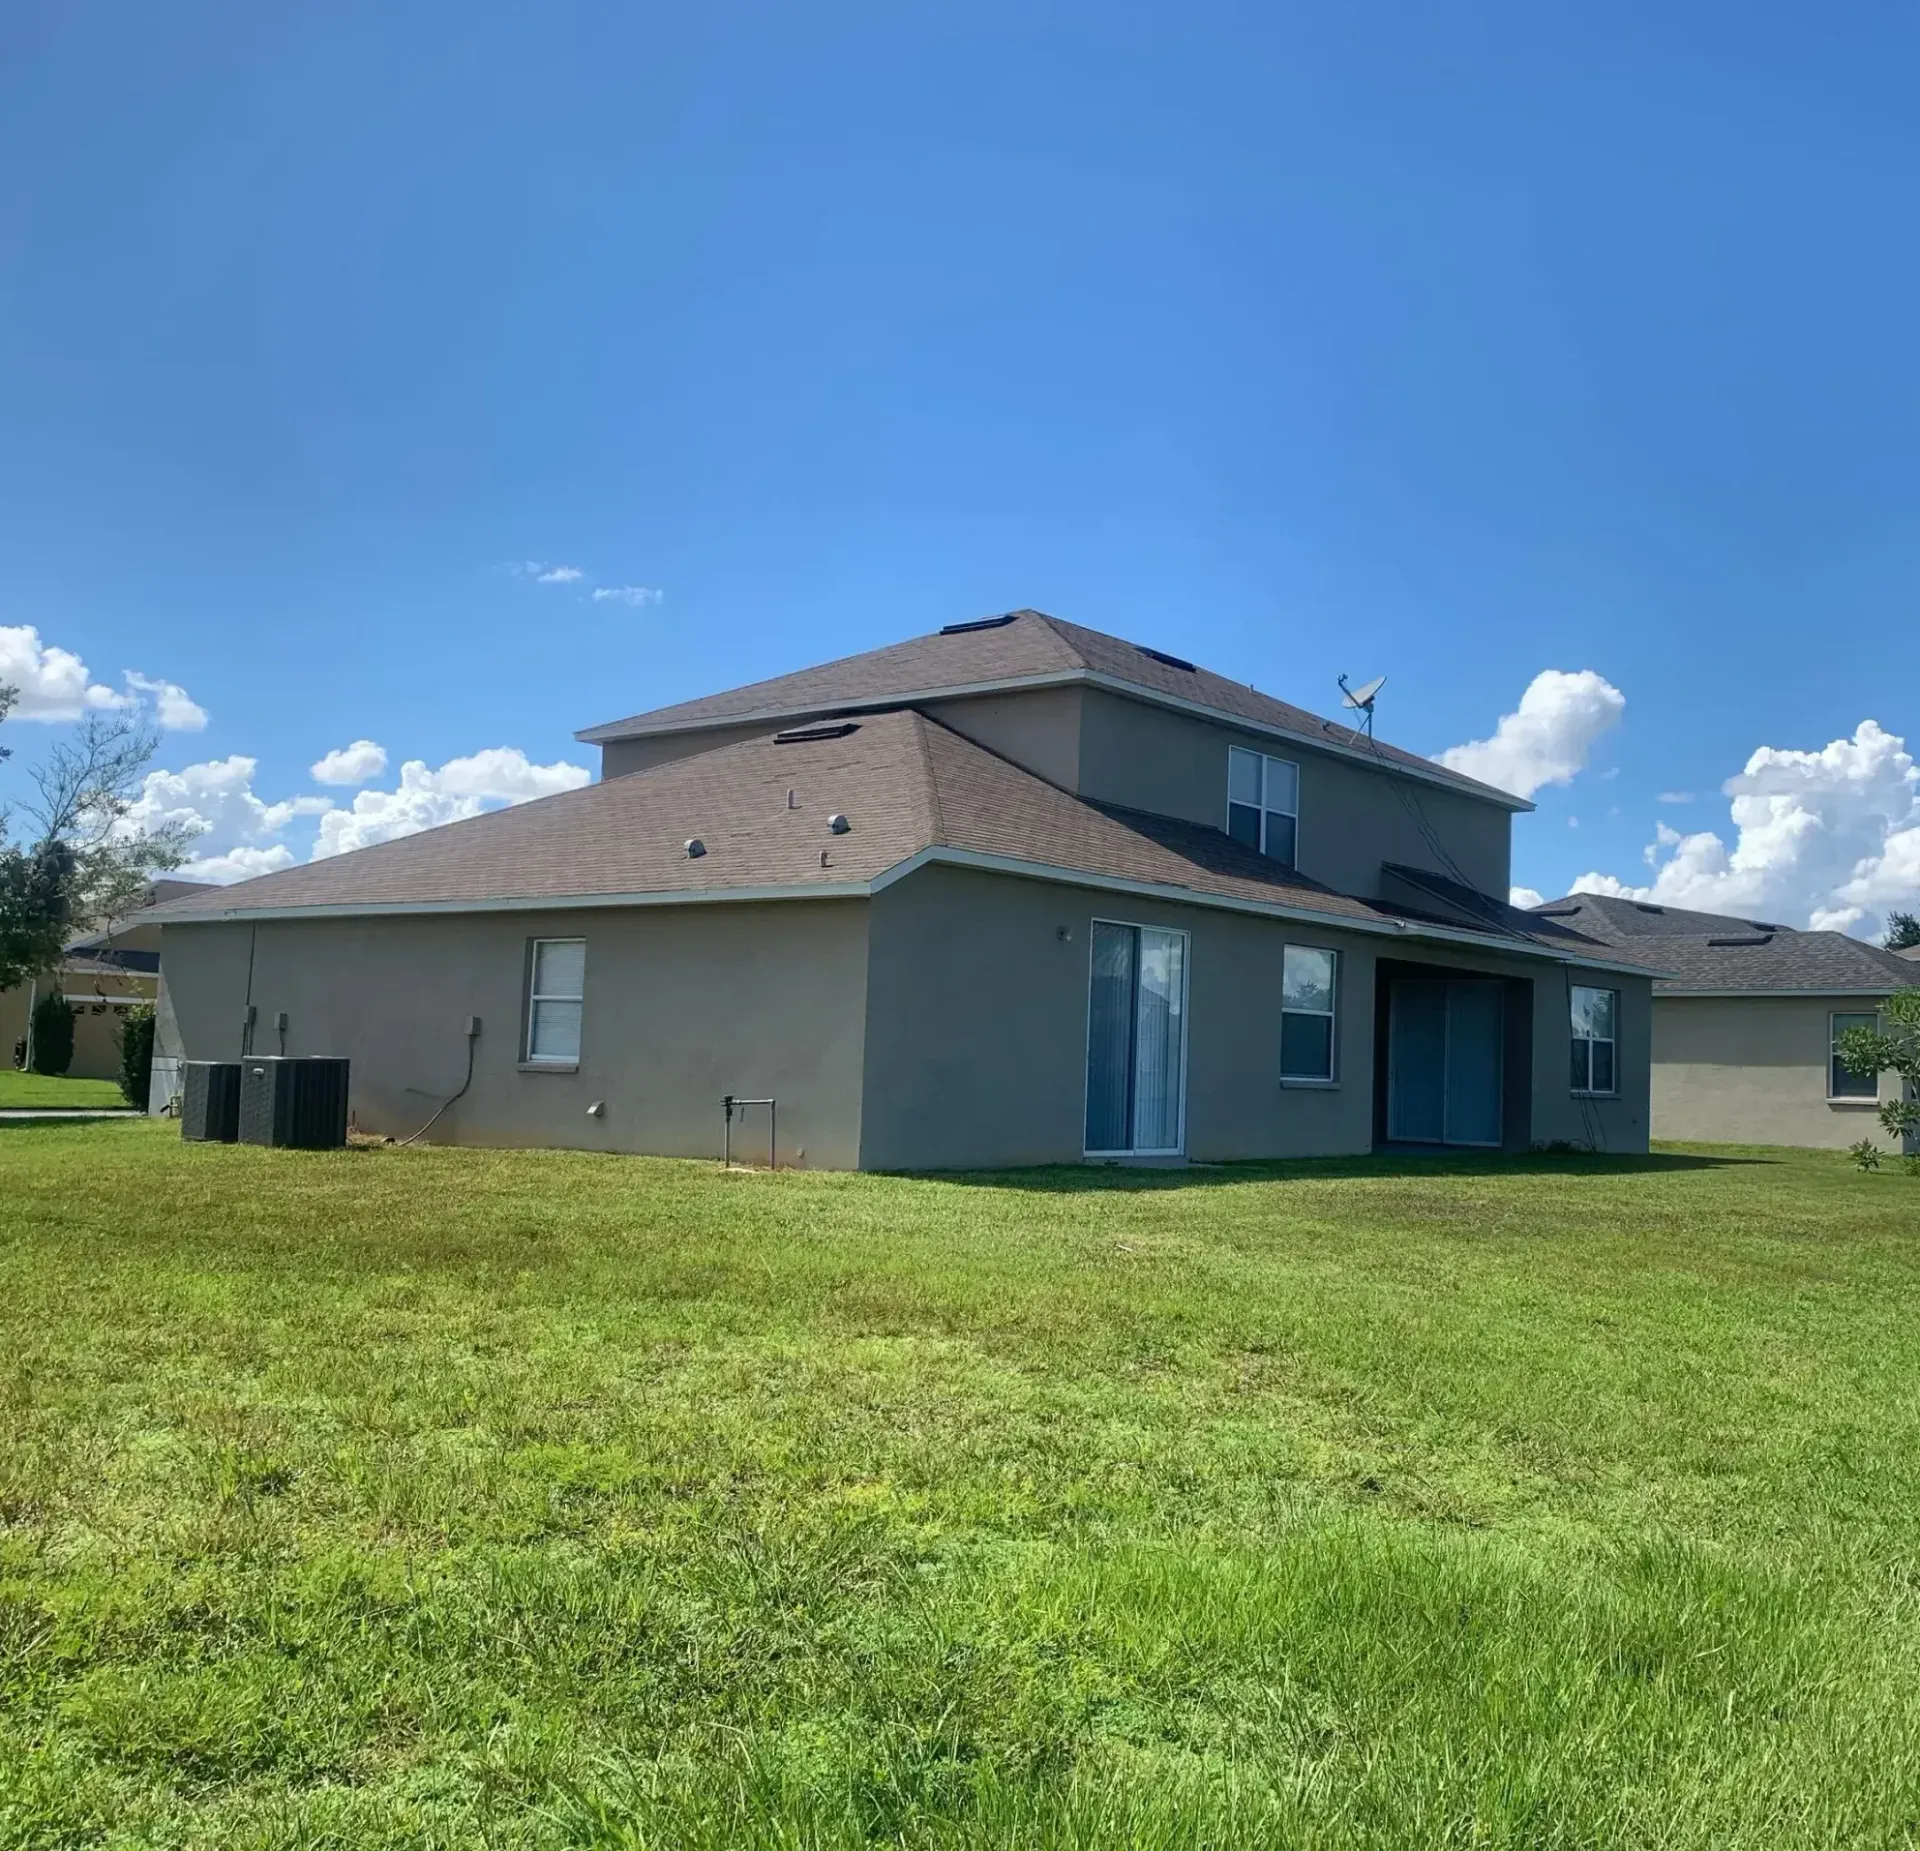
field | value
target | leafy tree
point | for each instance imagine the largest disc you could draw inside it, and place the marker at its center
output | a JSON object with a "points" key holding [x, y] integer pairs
{"points": [[1903, 931], [87, 864], [136, 1053], [1891, 1047], [52, 1035]]}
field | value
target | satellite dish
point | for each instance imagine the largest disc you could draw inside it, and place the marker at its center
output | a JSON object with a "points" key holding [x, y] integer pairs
{"points": [[1361, 701]]}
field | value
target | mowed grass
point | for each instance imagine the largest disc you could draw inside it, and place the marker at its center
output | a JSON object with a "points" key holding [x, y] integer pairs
{"points": [[449, 1498], [40, 1090]]}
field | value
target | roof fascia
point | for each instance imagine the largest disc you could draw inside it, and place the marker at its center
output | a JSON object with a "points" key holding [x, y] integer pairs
{"points": [[1885, 990], [552, 903], [1398, 930]]}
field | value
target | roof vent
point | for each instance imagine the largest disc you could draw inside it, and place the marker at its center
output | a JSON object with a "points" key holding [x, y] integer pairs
{"points": [[979, 623], [695, 848], [1743, 938], [1160, 655], [1556, 912], [1640, 906], [838, 824], [801, 735]]}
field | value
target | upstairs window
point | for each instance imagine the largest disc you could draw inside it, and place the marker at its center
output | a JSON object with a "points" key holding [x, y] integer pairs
{"points": [[1263, 803], [1842, 1081], [1595, 1040], [556, 997]]}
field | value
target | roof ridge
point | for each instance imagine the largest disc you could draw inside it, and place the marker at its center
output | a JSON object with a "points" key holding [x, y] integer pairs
{"points": [[936, 820], [1058, 627]]}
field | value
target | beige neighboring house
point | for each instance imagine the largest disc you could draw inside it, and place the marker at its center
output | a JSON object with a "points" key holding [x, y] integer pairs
{"points": [[1745, 1020], [100, 975], [1015, 893]]}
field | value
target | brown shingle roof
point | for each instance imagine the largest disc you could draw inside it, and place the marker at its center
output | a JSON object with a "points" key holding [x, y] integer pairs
{"points": [[905, 783], [628, 835], [1719, 951], [1027, 646]]}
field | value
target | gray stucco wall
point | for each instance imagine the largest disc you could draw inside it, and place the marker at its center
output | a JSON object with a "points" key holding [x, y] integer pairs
{"points": [[683, 1005], [619, 757], [977, 1025], [1753, 1070], [1351, 817], [1039, 730]]}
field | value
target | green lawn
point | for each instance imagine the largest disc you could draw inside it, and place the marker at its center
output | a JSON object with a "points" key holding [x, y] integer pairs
{"points": [[38, 1090], [451, 1498]]}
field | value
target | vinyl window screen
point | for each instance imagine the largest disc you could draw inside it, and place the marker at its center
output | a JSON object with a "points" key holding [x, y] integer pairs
{"points": [[556, 997]]}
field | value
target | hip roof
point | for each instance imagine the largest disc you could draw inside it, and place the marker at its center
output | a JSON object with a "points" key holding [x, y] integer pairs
{"points": [[1721, 953], [908, 790], [1024, 648]]}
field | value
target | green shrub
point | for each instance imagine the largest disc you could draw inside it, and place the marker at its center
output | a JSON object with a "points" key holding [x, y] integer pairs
{"points": [[136, 1053], [52, 1035]]}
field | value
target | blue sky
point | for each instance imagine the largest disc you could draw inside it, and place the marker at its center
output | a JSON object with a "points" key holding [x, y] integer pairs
{"points": [[1457, 343]]}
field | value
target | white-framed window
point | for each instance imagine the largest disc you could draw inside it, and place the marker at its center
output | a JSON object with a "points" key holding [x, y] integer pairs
{"points": [[1596, 1049], [556, 994], [1842, 1081], [1309, 980], [1263, 803]]}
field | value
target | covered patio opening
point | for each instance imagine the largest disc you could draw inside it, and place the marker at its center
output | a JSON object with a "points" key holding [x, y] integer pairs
{"points": [[1453, 1058]]}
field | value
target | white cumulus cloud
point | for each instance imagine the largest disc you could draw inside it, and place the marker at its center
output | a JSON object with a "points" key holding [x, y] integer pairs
{"points": [[173, 707], [543, 574], [1829, 838], [51, 683], [1524, 897], [1547, 738], [425, 798], [235, 831], [238, 864], [353, 764], [633, 595]]}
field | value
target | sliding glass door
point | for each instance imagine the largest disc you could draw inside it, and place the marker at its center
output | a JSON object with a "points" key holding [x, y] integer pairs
{"points": [[1137, 1042]]}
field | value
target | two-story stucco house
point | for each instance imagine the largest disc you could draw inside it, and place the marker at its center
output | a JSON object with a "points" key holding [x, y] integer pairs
{"points": [[1015, 893]]}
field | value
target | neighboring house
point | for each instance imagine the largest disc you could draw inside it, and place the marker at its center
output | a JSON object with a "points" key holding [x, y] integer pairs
{"points": [[100, 975], [1745, 1020], [1015, 893], [1912, 951]]}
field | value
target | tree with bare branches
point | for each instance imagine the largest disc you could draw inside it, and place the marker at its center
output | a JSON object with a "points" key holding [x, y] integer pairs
{"points": [[88, 863]]}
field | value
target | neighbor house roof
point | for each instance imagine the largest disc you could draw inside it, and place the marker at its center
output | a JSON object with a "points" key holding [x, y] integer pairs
{"points": [[911, 791], [1720, 953], [1023, 649], [1912, 951], [134, 941]]}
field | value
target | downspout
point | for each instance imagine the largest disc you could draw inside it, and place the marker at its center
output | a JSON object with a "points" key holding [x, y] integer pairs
{"points": [[33, 996]]}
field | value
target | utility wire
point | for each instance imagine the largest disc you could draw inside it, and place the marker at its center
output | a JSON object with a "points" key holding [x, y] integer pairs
{"points": [[473, 1035]]}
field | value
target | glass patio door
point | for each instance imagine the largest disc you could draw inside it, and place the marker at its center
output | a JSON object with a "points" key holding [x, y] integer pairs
{"points": [[1136, 1042]]}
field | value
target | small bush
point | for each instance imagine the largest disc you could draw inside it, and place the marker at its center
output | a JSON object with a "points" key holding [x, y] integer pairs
{"points": [[136, 1053], [52, 1035], [1865, 1155]]}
